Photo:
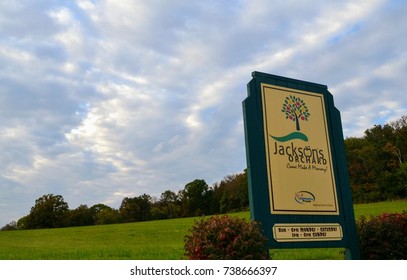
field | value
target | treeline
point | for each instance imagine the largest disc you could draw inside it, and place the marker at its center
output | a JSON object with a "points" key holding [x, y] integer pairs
{"points": [[377, 162], [197, 198]]}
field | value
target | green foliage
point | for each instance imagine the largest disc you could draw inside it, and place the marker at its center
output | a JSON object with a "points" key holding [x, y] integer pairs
{"points": [[376, 163], [49, 211], [10, 226], [168, 207], [136, 209], [81, 216], [231, 194], [104, 215], [223, 238], [195, 198], [22, 222], [383, 237]]}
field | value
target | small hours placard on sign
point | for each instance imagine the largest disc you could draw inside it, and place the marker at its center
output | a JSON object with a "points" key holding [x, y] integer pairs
{"points": [[307, 232]]}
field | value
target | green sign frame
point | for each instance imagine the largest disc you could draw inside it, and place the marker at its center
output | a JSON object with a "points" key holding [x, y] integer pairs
{"points": [[283, 199]]}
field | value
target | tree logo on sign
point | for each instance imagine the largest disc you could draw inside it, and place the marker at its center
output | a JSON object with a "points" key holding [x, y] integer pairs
{"points": [[295, 110]]}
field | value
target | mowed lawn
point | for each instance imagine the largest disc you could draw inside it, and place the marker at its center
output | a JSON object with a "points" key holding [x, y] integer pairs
{"points": [[153, 240], [144, 240]]}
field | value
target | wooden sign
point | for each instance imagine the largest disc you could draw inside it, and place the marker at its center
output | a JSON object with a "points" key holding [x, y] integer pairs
{"points": [[298, 182]]}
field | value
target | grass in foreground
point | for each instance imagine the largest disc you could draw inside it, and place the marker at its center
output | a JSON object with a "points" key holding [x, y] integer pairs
{"points": [[153, 240], [378, 208], [144, 240]]}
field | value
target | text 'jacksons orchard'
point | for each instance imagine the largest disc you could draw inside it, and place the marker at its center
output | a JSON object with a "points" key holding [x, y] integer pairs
{"points": [[305, 154]]}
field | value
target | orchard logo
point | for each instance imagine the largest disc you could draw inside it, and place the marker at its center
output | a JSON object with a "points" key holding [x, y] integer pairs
{"points": [[295, 110], [304, 197]]}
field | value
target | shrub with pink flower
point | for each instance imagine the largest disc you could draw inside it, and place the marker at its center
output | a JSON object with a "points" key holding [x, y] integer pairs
{"points": [[225, 238], [383, 237]]}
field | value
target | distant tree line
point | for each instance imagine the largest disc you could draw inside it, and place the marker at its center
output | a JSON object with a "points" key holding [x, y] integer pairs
{"points": [[377, 162], [197, 198]]}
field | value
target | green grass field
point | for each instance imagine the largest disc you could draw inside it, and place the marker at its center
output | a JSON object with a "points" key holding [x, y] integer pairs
{"points": [[154, 240]]}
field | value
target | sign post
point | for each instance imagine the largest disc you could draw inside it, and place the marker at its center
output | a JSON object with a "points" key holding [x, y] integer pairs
{"points": [[299, 186]]}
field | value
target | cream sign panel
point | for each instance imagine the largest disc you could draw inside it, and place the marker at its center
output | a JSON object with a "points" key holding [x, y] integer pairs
{"points": [[299, 162]]}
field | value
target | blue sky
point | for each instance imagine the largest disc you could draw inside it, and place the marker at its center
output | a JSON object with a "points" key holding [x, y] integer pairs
{"points": [[100, 100]]}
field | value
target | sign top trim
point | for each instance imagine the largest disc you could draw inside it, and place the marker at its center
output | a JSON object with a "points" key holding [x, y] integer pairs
{"points": [[266, 77]]}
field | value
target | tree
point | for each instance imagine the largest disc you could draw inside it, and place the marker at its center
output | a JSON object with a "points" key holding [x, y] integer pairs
{"points": [[10, 226], [196, 198], [361, 159], [22, 222], [103, 214], [168, 207], [81, 216], [382, 137], [145, 202], [136, 209], [376, 162], [295, 110], [99, 208], [400, 130], [49, 211], [128, 209], [232, 193]]}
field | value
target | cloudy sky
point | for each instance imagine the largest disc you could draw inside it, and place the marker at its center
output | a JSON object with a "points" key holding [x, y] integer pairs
{"points": [[100, 100]]}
